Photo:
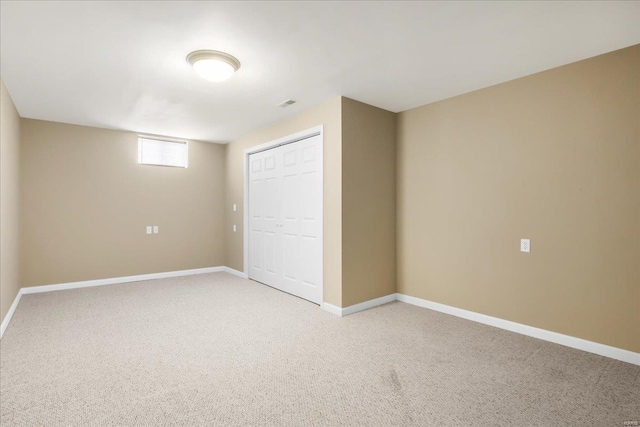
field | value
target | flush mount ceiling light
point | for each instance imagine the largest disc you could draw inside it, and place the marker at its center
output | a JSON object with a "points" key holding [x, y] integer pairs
{"points": [[213, 65]]}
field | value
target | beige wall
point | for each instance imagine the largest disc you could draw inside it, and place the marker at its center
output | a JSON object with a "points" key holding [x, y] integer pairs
{"points": [[554, 157], [328, 115], [86, 204], [9, 200], [368, 202]]}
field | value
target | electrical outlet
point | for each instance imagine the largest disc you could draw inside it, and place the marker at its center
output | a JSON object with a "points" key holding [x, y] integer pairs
{"points": [[155, 229], [149, 231], [234, 207], [525, 245], [234, 228]]}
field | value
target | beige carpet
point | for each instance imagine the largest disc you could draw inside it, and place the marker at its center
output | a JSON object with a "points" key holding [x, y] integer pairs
{"points": [[218, 350]]}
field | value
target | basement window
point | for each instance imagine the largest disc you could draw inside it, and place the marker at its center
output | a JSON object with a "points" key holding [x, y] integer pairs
{"points": [[158, 152]]}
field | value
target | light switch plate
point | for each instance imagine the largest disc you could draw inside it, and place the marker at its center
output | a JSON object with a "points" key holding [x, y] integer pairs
{"points": [[149, 229], [234, 228], [155, 229], [525, 245], [234, 207]]}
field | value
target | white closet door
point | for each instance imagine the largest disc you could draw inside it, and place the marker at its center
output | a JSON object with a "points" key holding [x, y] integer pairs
{"points": [[264, 213], [285, 206], [302, 219]]}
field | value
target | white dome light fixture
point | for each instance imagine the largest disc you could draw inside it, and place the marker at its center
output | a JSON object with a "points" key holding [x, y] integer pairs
{"points": [[213, 65]]}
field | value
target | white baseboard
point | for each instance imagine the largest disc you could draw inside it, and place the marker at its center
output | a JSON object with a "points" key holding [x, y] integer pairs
{"points": [[235, 272], [566, 340], [368, 304], [116, 280], [331, 308], [112, 281], [358, 307], [9, 314]]}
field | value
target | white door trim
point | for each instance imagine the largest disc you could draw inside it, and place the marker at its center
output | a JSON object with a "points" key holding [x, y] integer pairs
{"points": [[298, 136]]}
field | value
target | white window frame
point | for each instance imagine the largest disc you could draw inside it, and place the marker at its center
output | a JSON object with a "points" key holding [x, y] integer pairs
{"points": [[163, 139]]}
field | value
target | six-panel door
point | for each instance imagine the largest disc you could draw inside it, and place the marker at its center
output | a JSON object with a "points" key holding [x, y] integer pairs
{"points": [[285, 218]]}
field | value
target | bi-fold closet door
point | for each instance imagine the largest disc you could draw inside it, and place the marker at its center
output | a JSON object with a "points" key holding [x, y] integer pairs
{"points": [[285, 218]]}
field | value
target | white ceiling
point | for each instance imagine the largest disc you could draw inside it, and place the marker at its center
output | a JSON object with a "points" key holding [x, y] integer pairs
{"points": [[122, 64]]}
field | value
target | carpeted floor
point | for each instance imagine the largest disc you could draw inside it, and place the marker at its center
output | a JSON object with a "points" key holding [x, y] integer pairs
{"points": [[215, 349]]}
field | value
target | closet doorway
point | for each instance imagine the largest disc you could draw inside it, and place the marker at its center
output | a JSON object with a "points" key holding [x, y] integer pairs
{"points": [[283, 214]]}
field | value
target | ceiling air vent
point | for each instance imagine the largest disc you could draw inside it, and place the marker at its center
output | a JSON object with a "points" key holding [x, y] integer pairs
{"points": [[286, 103]]}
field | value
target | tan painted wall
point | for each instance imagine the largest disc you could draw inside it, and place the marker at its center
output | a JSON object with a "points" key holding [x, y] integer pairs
{"points": [[86, 204], [9, 201], [554, 157], [368, 202], [328, 115]]}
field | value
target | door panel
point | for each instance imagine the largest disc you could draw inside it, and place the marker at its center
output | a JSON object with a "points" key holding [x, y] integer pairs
{"points": [[290, 259], [270, 250], [255, 215], [263, 216]]}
